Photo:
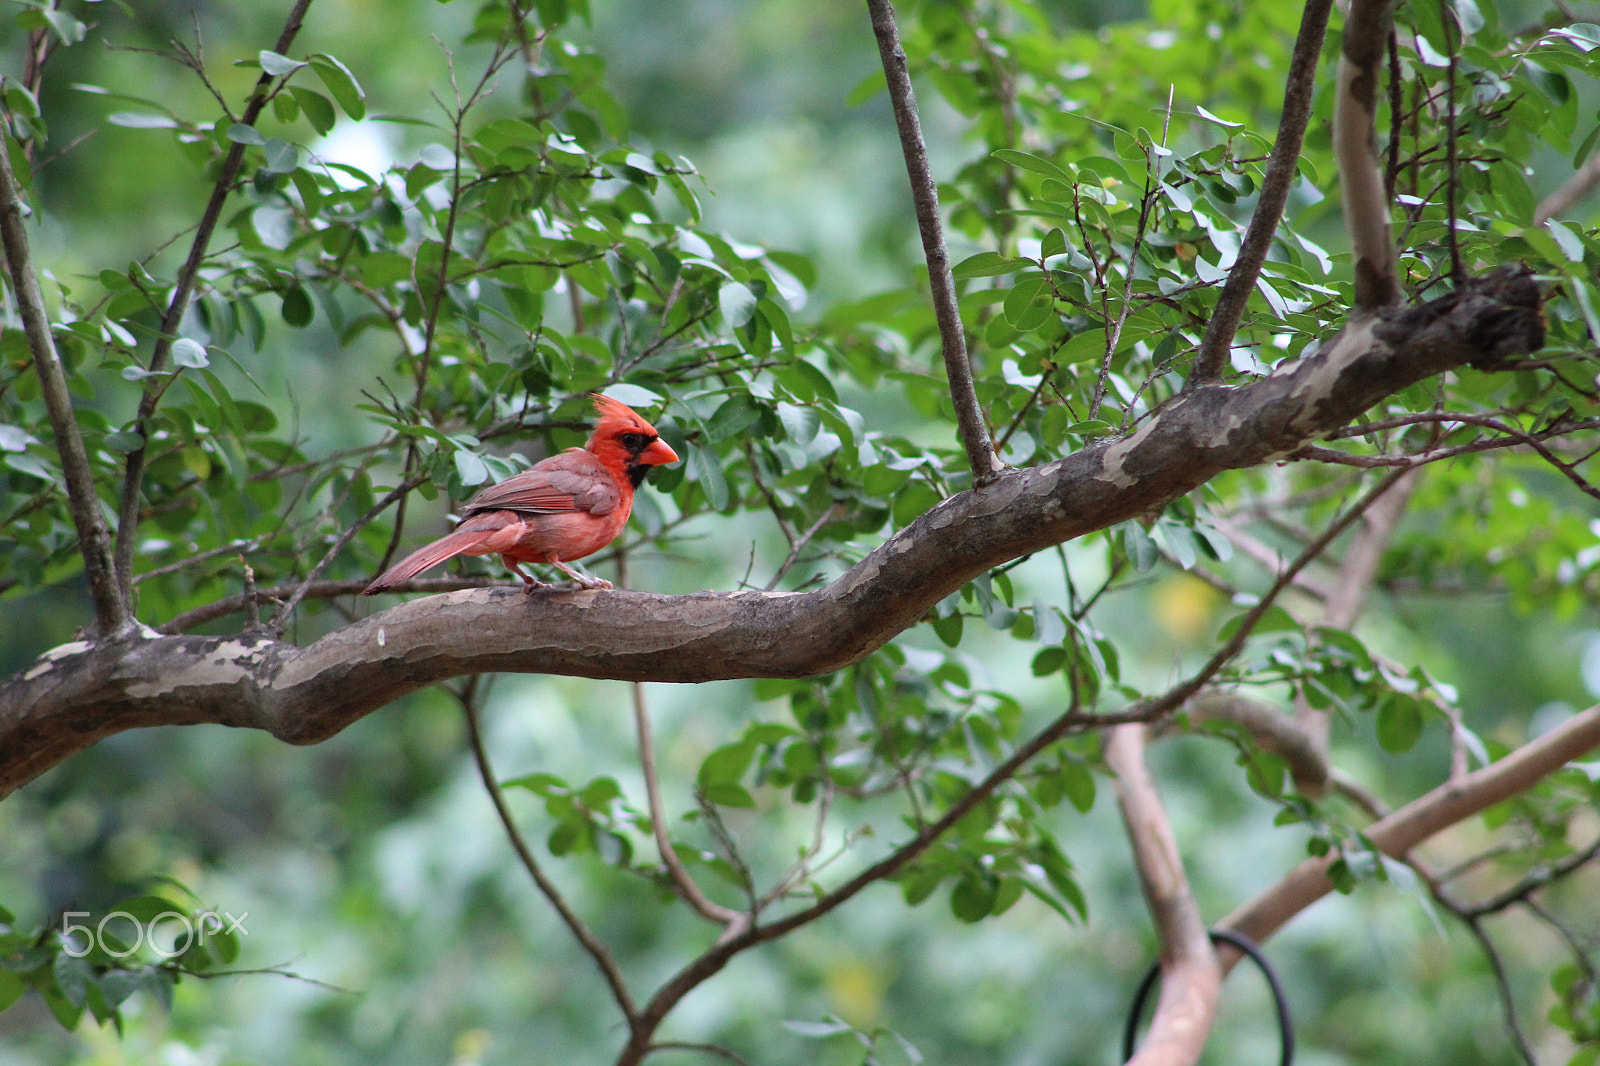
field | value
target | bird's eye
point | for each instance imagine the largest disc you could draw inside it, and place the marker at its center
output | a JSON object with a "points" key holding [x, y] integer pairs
{"points": [[635, 442]]}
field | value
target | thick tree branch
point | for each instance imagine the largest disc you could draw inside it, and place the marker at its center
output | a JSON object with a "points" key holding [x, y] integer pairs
{"points": [[110, 599], [1407, 827], [942, 285], [1355, 143], [82, 692], [182, 290], [1212, 358], [1191, 977]]}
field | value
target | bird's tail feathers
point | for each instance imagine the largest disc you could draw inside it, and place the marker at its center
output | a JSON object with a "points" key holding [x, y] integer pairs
{"points": [[425, 557]]}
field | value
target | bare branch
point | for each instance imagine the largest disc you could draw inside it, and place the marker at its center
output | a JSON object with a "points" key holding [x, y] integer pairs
{"points": [[1407, 827], [1191, 977], [1355, 143], [1299, 88], [925, 194], [110, 598], [685, 884], [580, 932]]}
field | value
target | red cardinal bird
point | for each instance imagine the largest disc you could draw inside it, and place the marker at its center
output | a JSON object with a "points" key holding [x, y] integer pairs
{"points": [[561, 508]]}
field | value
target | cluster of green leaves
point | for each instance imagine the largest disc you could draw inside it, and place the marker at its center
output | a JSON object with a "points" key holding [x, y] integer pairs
{"points": [[146, 943]]}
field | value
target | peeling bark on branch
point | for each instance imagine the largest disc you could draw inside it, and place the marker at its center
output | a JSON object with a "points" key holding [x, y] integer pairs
{"points": [[1361, 185], [80, 693]]}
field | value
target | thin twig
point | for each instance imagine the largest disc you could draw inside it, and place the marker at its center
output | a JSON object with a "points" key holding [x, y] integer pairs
{"points": [[182, 290], [111, 598], [281, 615], [1452, 41], [798, 545], [1147, 203], [316, 590], [681, 879], [925, 195], [1575, 188], [1212, 359], [580, 932]]}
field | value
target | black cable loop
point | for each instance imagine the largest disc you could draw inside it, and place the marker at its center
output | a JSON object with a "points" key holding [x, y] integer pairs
{"points": [[1130, 1034]]}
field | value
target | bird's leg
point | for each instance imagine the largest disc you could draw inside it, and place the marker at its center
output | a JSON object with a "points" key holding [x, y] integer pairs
{"points": [[581, 578], [529, 582]]}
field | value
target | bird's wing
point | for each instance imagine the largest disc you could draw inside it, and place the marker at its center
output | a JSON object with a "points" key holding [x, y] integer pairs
{"points": [[572, 481]]}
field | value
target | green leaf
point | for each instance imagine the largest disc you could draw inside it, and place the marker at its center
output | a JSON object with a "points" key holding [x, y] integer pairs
{"points": [[11, 988], [1078, 782], [278, 65], [987, 264], [1037, 165], [973, 898], [239, 133], [705, 470], [470, 468], [122, 443], [139, 120], [318, 109], [726, 765], [867, 88], [737, 304], [341, 84], [73, 975], [728, 795], [1399, 723], [736, 415], [189, 353], [1140, 549], [297, 310], [1273, 620], [281, 157], [1029, 303]]}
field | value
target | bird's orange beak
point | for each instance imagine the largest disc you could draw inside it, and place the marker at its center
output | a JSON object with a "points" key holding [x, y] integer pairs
{"points": [[657, 454]]}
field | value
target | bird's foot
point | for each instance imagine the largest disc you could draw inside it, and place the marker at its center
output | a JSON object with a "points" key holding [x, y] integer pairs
{"points": [[584, 580]]}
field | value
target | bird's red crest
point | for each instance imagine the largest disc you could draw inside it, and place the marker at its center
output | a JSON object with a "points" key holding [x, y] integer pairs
{"points": [[611, 410]]}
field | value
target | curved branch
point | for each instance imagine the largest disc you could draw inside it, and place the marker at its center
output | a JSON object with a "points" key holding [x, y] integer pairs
{"points": [[1275, 184], [1407, 827], [79, 693], [942, 285], [1191, 977], [1273, 729]]}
